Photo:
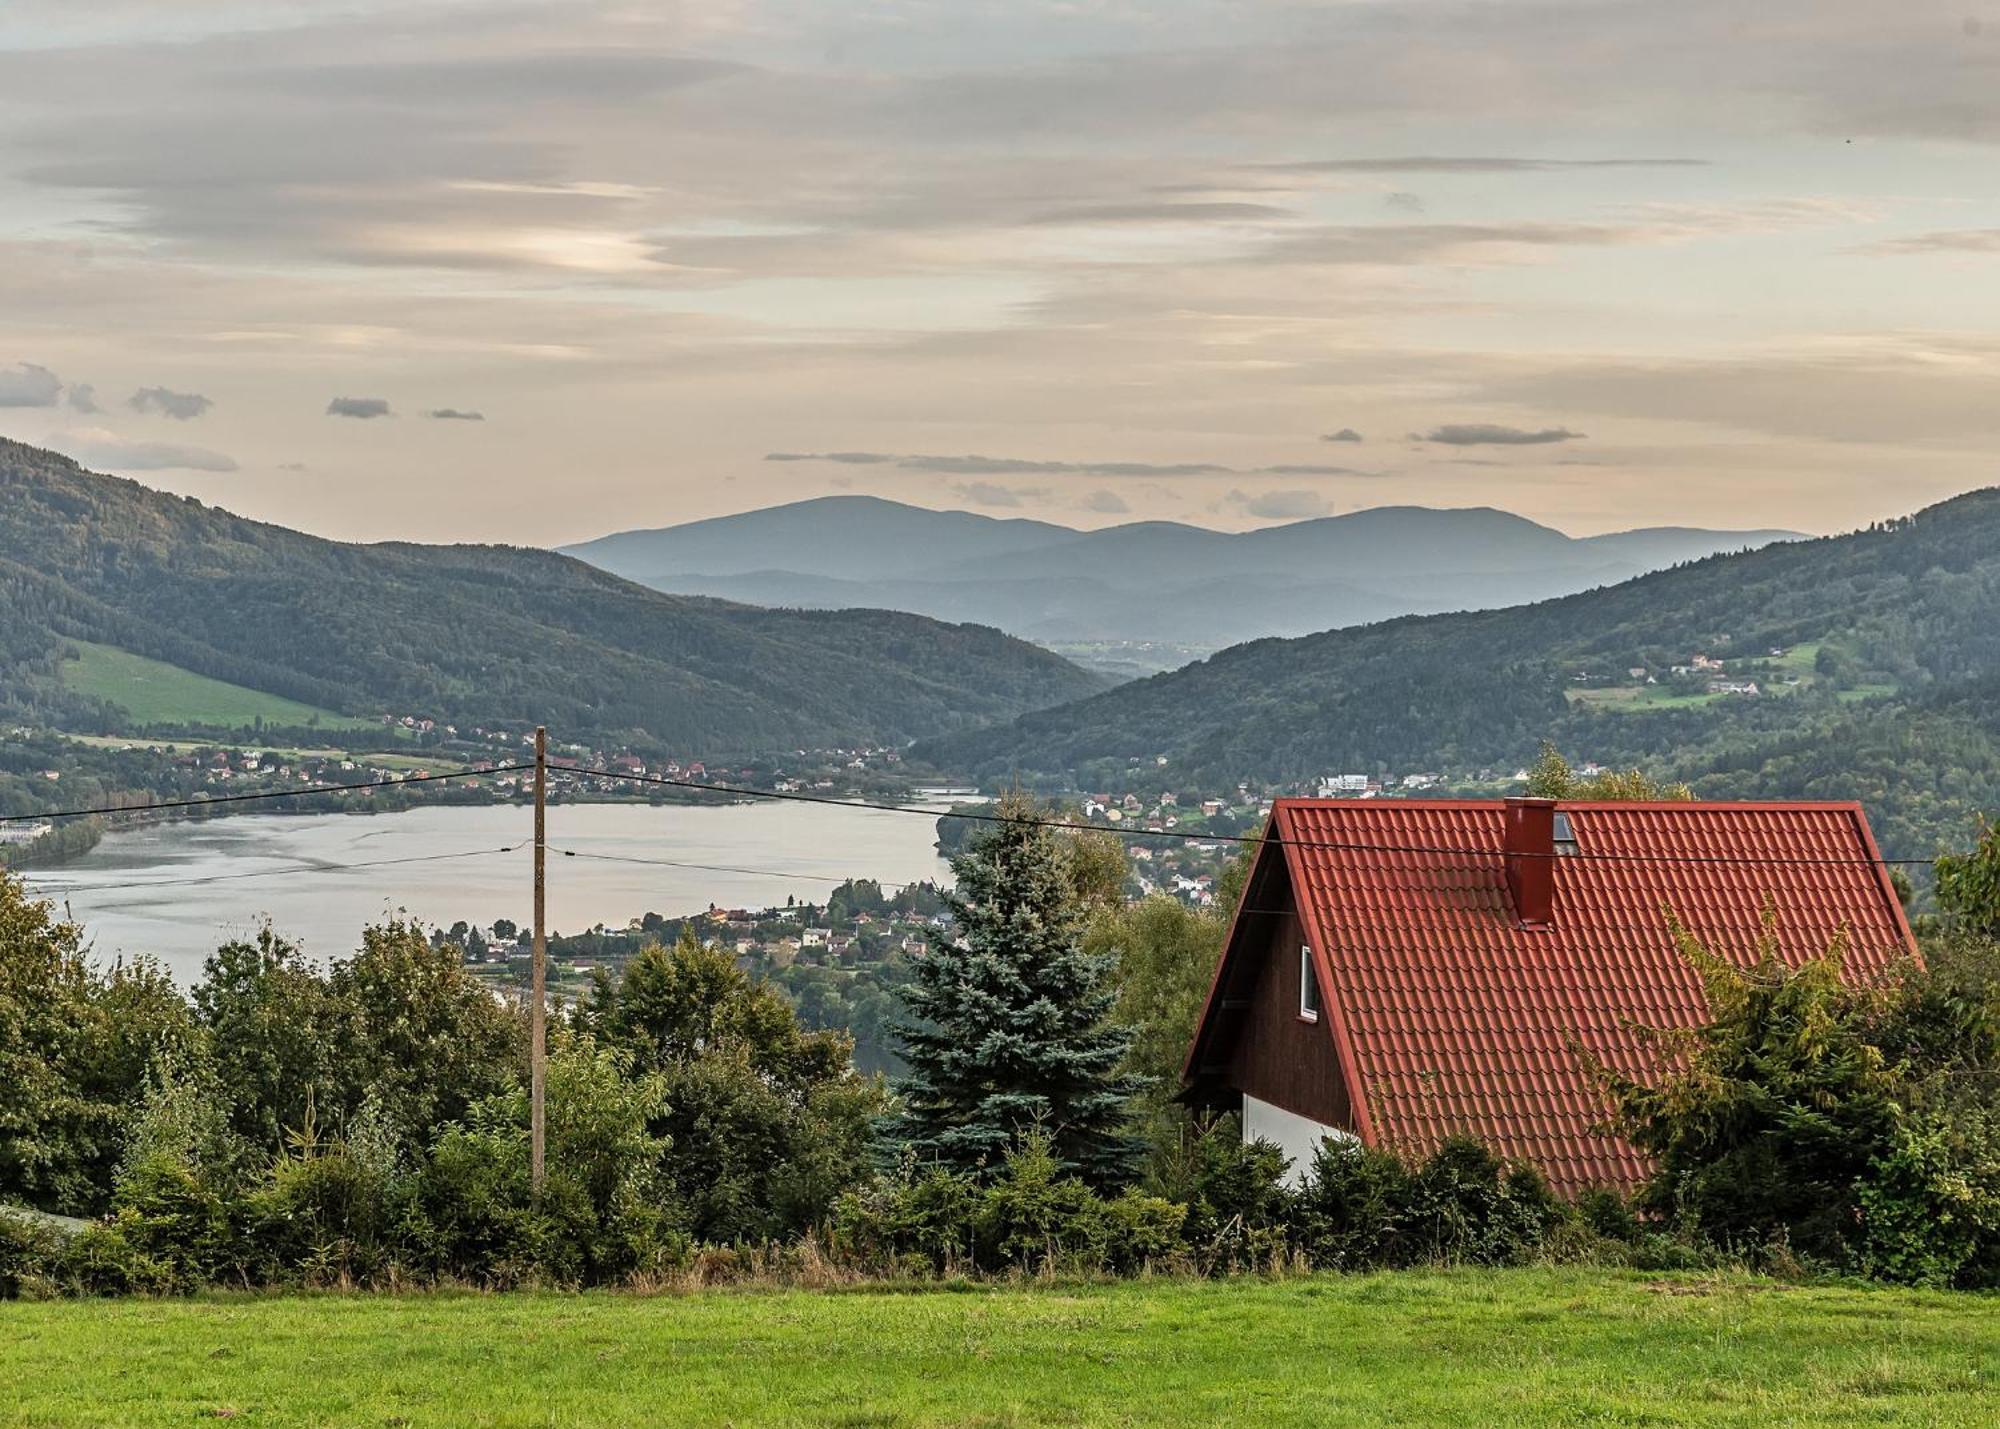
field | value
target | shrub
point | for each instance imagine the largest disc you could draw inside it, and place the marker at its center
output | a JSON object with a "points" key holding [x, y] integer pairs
{"points": [[327, 1209], [1466, 1206], [101, 1259], [1032, 1216], [31, 1251], [1930, 1204], [1239, 1213], [917, 1221], [1353, 1208]]}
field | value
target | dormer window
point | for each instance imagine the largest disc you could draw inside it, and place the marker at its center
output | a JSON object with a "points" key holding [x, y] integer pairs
{"points": [[1308, 986]]}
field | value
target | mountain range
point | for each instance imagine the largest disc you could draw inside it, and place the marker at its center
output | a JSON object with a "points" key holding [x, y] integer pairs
{"points": [[1148, 582], [466, 634], [1874, 658]]}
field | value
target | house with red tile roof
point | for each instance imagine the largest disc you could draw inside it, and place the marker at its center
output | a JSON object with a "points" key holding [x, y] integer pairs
{"points": [[1400, 971]]}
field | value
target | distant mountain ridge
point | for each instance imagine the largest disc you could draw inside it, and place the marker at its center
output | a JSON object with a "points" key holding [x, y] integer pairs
{"points": [[1141, 581], [468, 634], [1858, 666]]}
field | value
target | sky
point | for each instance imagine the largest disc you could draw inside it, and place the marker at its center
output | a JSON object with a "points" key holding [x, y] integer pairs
{"points": [[531, 272]]}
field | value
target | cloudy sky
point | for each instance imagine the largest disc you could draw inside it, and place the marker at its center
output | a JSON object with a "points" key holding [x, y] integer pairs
{"points": [[534, 271]]}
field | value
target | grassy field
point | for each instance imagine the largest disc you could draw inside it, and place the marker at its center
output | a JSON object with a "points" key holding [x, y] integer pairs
{"points": [[1467, 1348], [152, 692]]}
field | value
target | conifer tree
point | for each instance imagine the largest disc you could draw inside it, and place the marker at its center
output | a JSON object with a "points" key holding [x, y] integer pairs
{"points": [[1006, 1028]]}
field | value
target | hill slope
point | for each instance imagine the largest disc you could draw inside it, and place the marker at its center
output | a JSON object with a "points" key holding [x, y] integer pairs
{"points": [[1142, 581], [1901, 624], [467, 633]]}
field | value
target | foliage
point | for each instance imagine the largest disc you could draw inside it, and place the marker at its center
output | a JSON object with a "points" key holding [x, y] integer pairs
{"points": [[76, 1049], [1769, 1114], [417, 1031], [1968, 886], [1031, 1216], [466, 635], [1007, 1025], [1165, 954], [763, 1122], [1551, 777], [274, 1029], [1239, 1215], [1854, 1127]]}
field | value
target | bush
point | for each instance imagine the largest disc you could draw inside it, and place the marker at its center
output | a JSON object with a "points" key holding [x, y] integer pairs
{"points": [[1930, 1204], [1239, 1214], [1466, 1206], [1353, 1208], [915, 1222], [327, 1210], [31, 1251], [101, 1259], [1033, 1216]]}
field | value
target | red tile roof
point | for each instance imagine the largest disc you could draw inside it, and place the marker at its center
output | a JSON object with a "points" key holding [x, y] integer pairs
{"points": [[1446, 1015]]}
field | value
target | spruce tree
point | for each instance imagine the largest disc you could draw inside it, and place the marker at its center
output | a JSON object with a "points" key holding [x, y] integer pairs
{"points": [[1006, 1028]]}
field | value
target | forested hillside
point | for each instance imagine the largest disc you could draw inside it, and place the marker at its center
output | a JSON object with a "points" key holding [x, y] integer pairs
{"points": [[1896, 703], [464, 633]]}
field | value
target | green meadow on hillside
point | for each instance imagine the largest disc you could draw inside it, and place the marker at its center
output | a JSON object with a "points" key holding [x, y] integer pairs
{"points": [[155, 693], [1469, 1347]]}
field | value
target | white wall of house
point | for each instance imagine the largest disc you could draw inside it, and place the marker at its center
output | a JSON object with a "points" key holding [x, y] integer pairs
{"points": [[1297, 1136]]}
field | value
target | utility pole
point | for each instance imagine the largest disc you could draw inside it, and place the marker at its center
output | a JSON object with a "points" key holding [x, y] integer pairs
{"points": [[538, 1032]]}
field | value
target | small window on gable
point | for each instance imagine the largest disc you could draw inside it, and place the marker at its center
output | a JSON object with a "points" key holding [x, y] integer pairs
{"points": [[1308, 986]]}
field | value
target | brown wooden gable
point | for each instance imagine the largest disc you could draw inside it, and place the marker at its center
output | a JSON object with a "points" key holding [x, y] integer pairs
{"points": [[1252, 1039]]}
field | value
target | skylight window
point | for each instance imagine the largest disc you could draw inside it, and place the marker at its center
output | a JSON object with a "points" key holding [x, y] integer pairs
{"points": [[1565, 838]]}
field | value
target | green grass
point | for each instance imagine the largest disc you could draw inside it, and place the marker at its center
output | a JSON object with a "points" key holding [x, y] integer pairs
{"points": [[1642, 697], [1462, 1348], [152, 692]]}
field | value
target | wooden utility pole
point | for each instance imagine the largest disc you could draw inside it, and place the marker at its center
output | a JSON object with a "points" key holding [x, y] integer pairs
{"points": [[538, 1014]]}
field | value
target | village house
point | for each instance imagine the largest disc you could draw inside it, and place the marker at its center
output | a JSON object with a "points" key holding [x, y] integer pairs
{"points": [[1447, 982]]}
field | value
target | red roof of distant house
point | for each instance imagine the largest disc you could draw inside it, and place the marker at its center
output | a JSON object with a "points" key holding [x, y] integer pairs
{"points": [[1447, 1015]]}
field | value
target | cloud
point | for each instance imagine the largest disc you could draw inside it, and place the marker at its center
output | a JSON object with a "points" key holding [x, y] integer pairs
{"points": [[1345, 434], [847, 458], [1404, 202], [992, 493], [1944, 240], [454, 414], [1109, 502], [1492, 434], [1470, 164], [1217, 212], [27, 384], [181, 406], [96, 447], [365, 408], [1281, 505], [975, 465]]}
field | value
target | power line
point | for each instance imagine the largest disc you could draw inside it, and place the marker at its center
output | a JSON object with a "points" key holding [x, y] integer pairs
{"points": [[1071, 826], [211, 800], [67, 890], [1067, 825], [738, 868]]}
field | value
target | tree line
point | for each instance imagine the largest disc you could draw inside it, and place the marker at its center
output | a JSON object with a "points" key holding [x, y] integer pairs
{"points": [[365, 1122]]}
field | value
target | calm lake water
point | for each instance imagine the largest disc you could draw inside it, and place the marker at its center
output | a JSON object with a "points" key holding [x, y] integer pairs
{"points": [[177, 890]]}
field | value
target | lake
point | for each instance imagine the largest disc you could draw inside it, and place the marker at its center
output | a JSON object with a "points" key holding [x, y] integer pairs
{"points": [[176, 890]]}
